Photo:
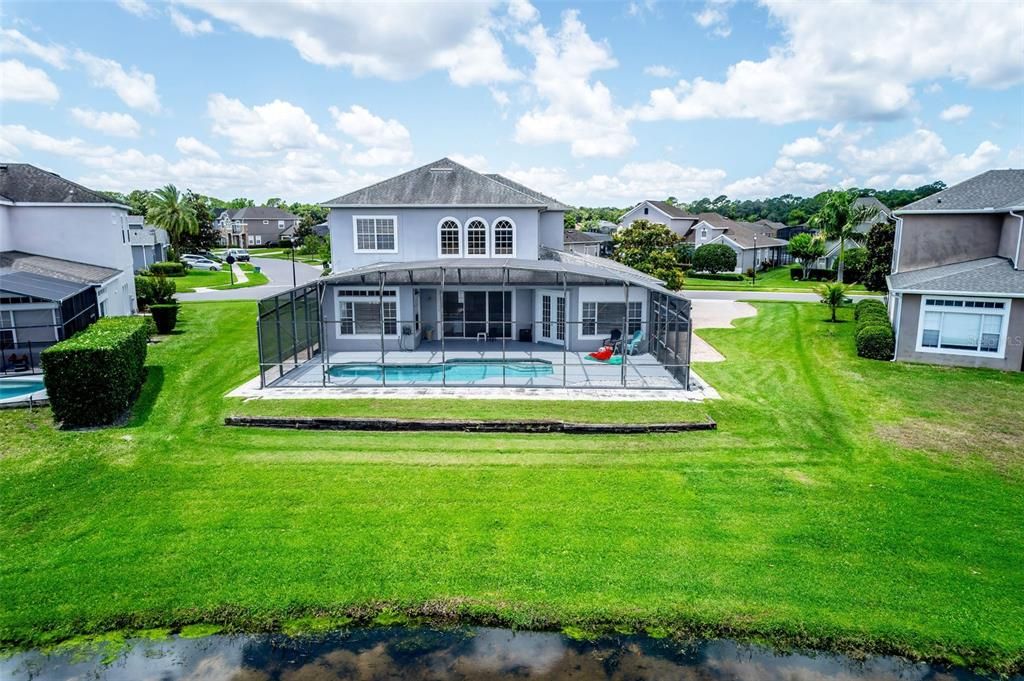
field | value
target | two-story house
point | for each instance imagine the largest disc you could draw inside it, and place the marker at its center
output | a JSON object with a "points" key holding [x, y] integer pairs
{"points": [[443, 264], [149, 243], [256, 226], [65, 259], [956, 292], [662, 213], [752, 242]]}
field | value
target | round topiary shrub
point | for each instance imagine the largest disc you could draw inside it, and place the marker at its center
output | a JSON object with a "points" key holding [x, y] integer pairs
{"points": [[876, 341], [714, 258], [868, 305], [165, 316]]}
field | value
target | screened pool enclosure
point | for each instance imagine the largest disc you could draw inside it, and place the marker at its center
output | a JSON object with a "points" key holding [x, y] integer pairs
{"points": [[477, 323]]}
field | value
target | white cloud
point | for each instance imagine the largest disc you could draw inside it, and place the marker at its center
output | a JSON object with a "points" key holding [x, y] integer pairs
{"points": [[384, 142], [577, 110], [188, 26], [15, 42], [659, 71], [786, 176], [933, 88], [190, 146], [135, 88], [715, 18], [804, 146], [22, 83], [500, 97], [264, 129], [109, 123], [406, 40], [957, 112], [137, 7], [918, 158], [20, 136], [475, 161], [835, 64], [522, 11]]}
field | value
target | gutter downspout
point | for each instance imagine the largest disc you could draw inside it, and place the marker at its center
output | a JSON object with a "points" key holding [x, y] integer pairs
{"points": [[896, 324], [1020, 240]]}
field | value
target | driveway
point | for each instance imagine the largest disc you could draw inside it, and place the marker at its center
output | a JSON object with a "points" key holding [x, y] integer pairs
{"points": [[279, 272]]}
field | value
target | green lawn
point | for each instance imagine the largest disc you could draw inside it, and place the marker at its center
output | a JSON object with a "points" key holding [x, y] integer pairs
{"points": [[776, 280], [843, 503], [220, 280]]}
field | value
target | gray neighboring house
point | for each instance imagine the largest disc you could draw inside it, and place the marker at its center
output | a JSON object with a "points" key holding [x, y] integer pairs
{"points": [[752, 242], [883, 214], [149, 243], [956, 292], [256, 226], [662, 213], [588, 243]]}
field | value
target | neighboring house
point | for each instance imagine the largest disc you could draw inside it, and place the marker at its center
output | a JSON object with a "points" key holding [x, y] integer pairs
{"points": [[607, 227], [322, 229], [232, 233], [956, 294], [831, 258], [149, 243], [256, 226], [753, 245], [787, 233], [65, 259], [883, 213], [662, 213], [771, 228], [443, 265], [588, 243]]}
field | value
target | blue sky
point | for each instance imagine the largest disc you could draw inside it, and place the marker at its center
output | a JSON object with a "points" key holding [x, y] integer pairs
{"points": [[596, 103]]}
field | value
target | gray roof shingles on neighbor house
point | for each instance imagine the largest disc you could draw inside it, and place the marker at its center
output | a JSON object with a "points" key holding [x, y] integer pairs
{"points": [[992, 190], [447, 183], [670, 210], [24, 183], [987, 275], [262, 213]]}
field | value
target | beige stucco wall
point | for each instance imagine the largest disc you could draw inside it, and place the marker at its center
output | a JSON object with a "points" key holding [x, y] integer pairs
{"points": [[931, 240], [910, 315]]}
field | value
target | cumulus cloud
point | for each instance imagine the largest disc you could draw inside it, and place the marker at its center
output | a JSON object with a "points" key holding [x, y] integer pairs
{"points": [[786, 176], [957, 112], [15, 42], [835, 64], [382, 142], [135, 88], [186, 25], [714, 17], [577, 110], [21, 136], [26, 83], [475, 161], [918, 158], [264, 129], [190, 146], [109, 123], [804, 146], [659, 71], [137, 7]]}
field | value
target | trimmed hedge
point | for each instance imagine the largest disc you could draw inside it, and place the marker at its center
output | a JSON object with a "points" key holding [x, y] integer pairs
{"points": [[721, 276], [93, 377], [874, 336], [165, 316], [813, 274], [168, 269]]}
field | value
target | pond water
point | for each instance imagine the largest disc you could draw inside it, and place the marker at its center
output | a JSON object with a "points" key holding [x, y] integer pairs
{"points": [[448, 655]]}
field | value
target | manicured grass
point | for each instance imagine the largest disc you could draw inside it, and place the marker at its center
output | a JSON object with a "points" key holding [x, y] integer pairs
{"points": [[776, 280], [220, 280], [843, 503]]}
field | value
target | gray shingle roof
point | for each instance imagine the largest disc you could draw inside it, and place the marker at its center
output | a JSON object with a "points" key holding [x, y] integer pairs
{"points": [[987, 275], [741, 232], [262, 213], [994, 189], [446, 183], [670, 210], [65, 270], [575, 236], [24, 183]]}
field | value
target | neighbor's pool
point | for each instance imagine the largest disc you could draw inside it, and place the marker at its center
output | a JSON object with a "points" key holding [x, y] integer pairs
{"points": [[454, 371], [17, 388]]}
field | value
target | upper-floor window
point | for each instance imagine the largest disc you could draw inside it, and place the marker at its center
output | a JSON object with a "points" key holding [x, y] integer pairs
{"points": [[476, 237], [375, 233], [449, 237], [280, 224], [504, 237]]}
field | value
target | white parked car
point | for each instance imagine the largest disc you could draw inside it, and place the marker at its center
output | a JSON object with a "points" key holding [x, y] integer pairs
{"points": [[200, 263], [239, 254]]}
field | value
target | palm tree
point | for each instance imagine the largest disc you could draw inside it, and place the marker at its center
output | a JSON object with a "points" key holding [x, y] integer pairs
{"points": [[838, 219], [832, 294], [169, 209]]}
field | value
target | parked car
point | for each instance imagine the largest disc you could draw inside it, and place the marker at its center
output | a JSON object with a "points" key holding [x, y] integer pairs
{"points": [[201, 263], [239, 254], [210, 255]]}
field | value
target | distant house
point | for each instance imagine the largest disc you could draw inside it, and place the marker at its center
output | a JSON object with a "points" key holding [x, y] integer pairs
{"points": [[588, 243], [771, 227], [65, 260], [149, 243], [256, 226], [883, 214], [752, 242], [660, 212], [956, 292], [831, 257]]}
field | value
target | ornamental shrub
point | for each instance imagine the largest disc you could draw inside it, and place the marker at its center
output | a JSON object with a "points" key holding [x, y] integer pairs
{"points": [[868, 305], [714, 258], [168, 269], [93, 377], [143, 292], [875, 340], [165, 316], [721, 276]]}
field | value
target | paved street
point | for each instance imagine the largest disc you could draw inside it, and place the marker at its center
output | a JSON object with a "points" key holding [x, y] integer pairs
{"points": [[279, 272]]}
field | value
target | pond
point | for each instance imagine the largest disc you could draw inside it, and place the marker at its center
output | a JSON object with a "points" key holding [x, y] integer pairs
{"points": [[454, 654]]}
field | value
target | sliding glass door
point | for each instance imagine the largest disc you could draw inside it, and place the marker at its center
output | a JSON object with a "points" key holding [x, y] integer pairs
{"points": [[467, 314]]}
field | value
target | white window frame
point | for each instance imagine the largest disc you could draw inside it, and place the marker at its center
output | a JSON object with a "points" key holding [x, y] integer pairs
{"points": [[251, 240], [488, 248], [10, 329], [462, 237], [1000, 353], [338, 300], [280, 224], [494, 242], [615, 299], [355, 235], [259, 239]]}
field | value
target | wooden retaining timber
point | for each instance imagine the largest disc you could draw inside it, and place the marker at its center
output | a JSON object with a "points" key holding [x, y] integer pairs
{"points": [[465, 426]]}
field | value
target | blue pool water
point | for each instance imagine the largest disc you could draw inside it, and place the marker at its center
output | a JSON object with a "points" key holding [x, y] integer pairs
{"points": [[454, 371], [11, 388]]}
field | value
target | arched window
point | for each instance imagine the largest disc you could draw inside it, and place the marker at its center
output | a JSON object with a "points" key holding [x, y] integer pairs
{"points": [[504, 237], [476, 237], [449, 237]]}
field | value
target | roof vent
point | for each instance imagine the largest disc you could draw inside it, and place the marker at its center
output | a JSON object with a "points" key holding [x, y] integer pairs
{"points": [[442, 169]]}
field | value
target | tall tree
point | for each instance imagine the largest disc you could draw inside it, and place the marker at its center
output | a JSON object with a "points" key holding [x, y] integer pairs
{"points": [[838, 220], [806, 248], [651, 248], [170, 209], [206, 236], [879, 263]]}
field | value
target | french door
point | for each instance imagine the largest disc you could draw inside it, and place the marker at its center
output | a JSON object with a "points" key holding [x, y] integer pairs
{"points": [[551, 317], [467, 314]]}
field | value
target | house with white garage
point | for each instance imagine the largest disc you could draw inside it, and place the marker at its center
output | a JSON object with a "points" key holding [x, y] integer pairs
{"points": [[753, 243], [956, 292], [65, 260], [149, 243], [446, 276]]}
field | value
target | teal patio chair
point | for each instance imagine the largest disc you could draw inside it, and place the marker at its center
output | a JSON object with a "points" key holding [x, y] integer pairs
{"points": [[634, 343]]}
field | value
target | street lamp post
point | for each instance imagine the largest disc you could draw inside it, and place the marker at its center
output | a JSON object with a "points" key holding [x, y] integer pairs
{"points": [[753, 280]]}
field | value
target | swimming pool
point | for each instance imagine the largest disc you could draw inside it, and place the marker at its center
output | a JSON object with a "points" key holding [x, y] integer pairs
{"points": [[20, 388], [454, 371]]}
